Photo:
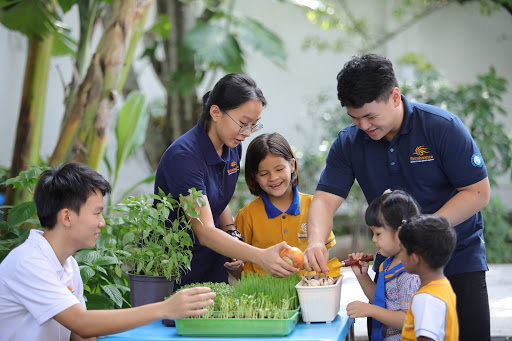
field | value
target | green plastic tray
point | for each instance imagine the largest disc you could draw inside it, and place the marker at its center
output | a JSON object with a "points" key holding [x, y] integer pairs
{"points": [[237, 327]]}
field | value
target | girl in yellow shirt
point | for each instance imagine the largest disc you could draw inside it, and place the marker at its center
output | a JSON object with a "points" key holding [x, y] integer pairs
{"points": [[280, 212]]}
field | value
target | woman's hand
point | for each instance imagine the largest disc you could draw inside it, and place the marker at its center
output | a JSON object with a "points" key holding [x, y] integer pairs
{"points": [[362, 267], [315, 258], [273, 264]]}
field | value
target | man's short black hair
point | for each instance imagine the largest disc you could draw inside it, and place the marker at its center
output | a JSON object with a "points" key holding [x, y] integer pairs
{"points": [[430, 236], [365, 79], [66, 186]]}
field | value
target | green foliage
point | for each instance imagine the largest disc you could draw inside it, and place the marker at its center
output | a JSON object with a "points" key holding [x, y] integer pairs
{"points": [[220, 289], [478, 104], [357, 32], [40, 18], [255, 296], [21, 217], [27, 179], [276, 289], [215, 46], [155, 245], [106, 286], [130, 128], [219, 41], [497, 233]]}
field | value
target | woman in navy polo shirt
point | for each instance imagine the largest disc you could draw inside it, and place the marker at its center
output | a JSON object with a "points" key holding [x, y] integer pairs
{"points": [[207, 157]]}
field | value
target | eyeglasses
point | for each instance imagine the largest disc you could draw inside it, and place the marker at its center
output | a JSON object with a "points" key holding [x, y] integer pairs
{"points": [[246, 127]]}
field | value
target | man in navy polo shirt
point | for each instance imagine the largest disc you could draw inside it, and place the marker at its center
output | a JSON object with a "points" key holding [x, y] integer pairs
{"points": [[418, 148]]}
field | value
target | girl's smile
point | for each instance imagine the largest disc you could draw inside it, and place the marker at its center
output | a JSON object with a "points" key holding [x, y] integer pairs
{"points": [[274, 176]]}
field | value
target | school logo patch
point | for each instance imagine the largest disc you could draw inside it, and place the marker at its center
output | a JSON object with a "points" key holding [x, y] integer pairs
{"points": [[392, 294], [303, 232], [233, 168], [421, 154], [477, 161]]}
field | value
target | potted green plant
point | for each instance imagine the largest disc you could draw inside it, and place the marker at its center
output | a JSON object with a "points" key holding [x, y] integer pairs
{"points": [[156, 249]]}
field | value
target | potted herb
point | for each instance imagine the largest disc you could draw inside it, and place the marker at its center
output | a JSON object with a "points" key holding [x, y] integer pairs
{"points": [[156, 249]]}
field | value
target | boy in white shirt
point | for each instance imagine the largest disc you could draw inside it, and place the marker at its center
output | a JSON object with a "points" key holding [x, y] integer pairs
{"points": [[41, 291]]}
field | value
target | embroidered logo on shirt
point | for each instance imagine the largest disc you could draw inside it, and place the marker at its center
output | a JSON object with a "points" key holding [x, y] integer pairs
{"points": [[392, 294], [234, 167], [423, 155], [477, 161], [303, 232], [70, 287]]}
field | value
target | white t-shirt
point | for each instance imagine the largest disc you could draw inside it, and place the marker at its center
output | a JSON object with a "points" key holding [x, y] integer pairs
{"points": [[34, 287], [429, 322]]}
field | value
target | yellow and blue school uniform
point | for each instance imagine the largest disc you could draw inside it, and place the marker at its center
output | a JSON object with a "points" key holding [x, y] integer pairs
{"points": [[263, 225], [433, 313]]}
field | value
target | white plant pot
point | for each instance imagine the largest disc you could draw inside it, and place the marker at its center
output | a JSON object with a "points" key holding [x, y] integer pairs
{"points": [[320, 304]]}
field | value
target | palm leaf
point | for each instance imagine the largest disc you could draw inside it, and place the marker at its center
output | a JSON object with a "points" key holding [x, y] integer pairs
{"points": [[130, 128], [33, 18], [215, 46], [254, 34]]}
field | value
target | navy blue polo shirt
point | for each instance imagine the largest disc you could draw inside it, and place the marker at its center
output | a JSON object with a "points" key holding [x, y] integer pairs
{"points": [[432, 155], [192, 161]]}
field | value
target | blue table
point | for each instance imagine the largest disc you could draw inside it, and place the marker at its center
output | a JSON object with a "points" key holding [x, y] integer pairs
{"points": [[342, 328]]}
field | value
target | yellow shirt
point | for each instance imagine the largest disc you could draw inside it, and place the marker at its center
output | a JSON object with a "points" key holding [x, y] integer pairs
{"points": [[259, 230], [432, 313]]}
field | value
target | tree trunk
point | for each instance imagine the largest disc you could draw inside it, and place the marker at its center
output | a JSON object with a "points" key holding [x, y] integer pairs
{"points": [[30, 118], [183, 110], [84, 135]]}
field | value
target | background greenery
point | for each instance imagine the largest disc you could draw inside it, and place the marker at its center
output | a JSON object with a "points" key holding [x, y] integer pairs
{"points": [[184, 62]]}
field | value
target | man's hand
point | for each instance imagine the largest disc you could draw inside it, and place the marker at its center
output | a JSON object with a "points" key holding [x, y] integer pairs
{"points": [[316, 257], [273, 264], [189, 302]]}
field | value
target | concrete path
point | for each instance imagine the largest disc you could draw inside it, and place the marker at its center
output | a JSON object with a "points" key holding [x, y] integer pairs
{"points": [[499, 286]]}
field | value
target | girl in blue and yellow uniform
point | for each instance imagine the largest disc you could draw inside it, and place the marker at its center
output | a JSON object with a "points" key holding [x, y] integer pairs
{"points": [[280, 212], [390, 297]]}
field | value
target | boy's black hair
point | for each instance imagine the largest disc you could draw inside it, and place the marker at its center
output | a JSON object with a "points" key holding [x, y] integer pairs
{"points": [[430, 236], [258, 149], [391, 209], [365, 79], [66, 186]]}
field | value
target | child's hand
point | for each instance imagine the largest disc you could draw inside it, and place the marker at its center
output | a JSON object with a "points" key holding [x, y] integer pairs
{"points": [[362, 267], [234, 265], [358, 309], [188, 302]]}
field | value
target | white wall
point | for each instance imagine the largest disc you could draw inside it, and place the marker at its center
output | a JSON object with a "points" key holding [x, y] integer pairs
{"points": [[457, 40]]}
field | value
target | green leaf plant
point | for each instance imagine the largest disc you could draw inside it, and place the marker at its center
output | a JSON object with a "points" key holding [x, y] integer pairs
{"points": [[106, 286], [154, 244], [255, 296]]}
